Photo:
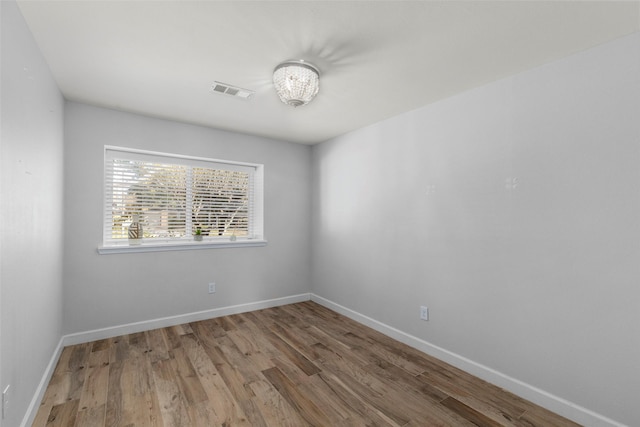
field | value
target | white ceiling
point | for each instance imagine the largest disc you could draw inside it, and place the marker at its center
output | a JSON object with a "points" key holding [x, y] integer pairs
{"points": [[377, 59]]}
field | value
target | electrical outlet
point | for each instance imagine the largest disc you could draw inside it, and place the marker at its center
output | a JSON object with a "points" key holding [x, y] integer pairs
{"points": [[212, 287], [5, 401], [424, 313]]}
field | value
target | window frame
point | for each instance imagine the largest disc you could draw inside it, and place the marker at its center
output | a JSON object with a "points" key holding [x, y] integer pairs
{"points": [[109, 246]]}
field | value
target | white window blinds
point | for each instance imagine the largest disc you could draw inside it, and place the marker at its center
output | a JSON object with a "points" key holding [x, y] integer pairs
{"points": [[173, 196]]}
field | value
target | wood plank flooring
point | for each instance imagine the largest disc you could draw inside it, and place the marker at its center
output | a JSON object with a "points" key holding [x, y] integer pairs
{"points": [[296, 365]]}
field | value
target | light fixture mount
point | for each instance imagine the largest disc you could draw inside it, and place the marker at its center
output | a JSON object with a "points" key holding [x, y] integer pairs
{"points": [[296, 81]]}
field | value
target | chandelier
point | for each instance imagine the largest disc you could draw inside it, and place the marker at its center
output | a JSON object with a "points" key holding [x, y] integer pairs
{"points": [[296, 82]]}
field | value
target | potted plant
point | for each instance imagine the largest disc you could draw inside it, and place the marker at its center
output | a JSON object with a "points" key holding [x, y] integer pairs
{"points": [[198, 235]]}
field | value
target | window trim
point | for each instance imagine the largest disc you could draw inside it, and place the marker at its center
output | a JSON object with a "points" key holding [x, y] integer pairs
{"points": [[161, 245], [179, 246]]}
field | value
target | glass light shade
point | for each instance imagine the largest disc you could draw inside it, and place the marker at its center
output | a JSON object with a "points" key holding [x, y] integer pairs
{"points": [[296, 82]]}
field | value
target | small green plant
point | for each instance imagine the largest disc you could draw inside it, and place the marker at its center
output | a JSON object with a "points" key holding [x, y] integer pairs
{"points": [[197, 235]]}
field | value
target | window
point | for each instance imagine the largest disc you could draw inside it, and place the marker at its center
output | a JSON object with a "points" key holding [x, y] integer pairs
{"points": [[174, 197]]}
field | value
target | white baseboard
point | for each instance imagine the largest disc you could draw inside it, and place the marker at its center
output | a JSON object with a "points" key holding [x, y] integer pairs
{"points": [[540, 397], [130, 328], [32, 410]]}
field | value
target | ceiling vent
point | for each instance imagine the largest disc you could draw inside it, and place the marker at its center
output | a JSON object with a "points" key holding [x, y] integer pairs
{"points": [[234, 91]]}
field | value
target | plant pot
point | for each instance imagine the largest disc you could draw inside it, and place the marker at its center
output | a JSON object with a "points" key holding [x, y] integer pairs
{"points": [[135, 231]]}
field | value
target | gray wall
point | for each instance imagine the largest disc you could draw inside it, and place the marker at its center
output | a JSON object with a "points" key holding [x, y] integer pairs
{"points": [[540, 281], [31, 195], [109, 290]]}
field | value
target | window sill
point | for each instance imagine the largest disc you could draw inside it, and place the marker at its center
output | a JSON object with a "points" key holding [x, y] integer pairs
{"points": [[179, 246]]}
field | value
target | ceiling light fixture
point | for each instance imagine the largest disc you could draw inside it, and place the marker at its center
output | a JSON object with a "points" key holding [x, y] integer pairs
{"points": [[296, 82]]}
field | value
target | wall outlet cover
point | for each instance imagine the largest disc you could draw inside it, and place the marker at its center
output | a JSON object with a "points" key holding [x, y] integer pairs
{"points": [[5, 401], [424, 313]]}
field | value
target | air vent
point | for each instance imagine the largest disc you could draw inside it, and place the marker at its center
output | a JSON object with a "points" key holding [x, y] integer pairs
{"points": [[234, 91]]}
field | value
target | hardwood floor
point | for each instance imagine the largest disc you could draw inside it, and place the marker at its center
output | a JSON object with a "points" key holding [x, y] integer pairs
{"points": [[296, 365]]}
